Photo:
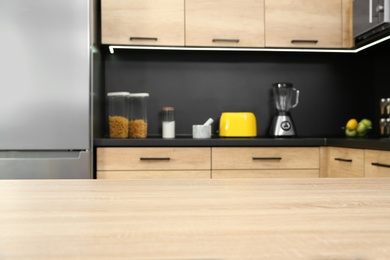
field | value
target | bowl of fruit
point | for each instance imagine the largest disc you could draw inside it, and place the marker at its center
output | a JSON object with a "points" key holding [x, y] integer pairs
{"points": [[355, 128]]}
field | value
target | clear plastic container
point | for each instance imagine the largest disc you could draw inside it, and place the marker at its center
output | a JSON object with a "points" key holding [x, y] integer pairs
{"points": [[138, 119], [168, 122], [118, 109]]}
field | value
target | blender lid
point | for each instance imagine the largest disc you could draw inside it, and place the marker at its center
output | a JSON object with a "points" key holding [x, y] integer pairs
{"points": [[283, 85]]}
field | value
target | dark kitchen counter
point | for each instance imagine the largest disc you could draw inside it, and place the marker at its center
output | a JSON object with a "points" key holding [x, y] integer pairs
{"points": [[360, 143], [188, 141]]}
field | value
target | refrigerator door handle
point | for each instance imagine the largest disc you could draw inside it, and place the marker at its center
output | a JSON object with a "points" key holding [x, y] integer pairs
{"points": [[40, 155]]}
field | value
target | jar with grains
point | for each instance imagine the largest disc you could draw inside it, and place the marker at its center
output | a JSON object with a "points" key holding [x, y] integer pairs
{"points": [[138, 120], [118, 109]]}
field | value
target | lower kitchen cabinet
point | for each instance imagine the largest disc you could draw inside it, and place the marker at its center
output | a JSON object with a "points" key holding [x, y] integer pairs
{"points": [[377, 164], [216, 162], [337, 162], [240, 162], [275, 162], [147, 163]]}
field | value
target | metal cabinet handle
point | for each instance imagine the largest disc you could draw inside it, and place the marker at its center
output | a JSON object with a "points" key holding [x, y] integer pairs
{"points": [[343, 160], [143, 38], [266, 158], [227, 40], [154, 158], [380, 164], [305, 41]]}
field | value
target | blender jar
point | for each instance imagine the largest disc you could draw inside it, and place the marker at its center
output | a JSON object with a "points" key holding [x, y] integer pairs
{"points": [[138, 122], [283, 96], [117, 106]]}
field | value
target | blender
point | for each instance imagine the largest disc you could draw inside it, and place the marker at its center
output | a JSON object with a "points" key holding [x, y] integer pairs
{"points": [[285, 98]]}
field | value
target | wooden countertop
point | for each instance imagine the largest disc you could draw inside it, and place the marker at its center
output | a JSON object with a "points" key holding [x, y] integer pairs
{"points": [[195, 219]]}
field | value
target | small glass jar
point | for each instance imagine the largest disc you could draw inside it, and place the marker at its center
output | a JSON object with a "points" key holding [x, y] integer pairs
{"points": [[117, 109], [388, 127], [138, 120], [388, 106], [383, 106], [168, 122]]}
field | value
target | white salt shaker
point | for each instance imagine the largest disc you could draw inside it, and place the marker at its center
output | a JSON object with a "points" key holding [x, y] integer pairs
{"points": [[168, 122]]}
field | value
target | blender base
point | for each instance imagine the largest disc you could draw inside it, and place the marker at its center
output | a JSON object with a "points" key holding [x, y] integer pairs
{"points": [[282, 126]]}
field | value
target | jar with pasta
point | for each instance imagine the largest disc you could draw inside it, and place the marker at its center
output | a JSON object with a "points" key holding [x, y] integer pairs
{"points": [[138, 122], [118, 114]]}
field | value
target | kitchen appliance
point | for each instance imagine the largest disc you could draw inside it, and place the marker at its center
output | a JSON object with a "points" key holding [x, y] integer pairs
{"points": [[371, 19], [237, 124], [285, 97], [45, 77]]}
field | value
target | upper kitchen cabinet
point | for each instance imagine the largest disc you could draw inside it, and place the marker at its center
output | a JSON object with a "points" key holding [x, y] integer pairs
{"points": [[143, 22], [308, 23], [225, 23]]}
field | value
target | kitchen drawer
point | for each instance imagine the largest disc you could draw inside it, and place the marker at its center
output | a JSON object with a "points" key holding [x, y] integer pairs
{"points": [[344, 162], [122, 175], [265, 158], [132, 159], [252, 174], [377, 164]]}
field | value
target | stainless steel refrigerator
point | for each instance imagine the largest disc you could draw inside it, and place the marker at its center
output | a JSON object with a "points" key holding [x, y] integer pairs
{"points": [[46, 48]]}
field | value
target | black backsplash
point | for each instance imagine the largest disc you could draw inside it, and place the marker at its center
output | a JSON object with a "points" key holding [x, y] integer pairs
{"points": [[201, 84]]}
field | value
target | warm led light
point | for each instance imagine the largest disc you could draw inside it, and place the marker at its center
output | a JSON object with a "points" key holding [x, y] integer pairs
{"points": [[373, 43], [113, 47]]}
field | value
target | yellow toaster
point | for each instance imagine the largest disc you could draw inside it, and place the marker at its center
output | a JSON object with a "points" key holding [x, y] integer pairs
{"points": [[237, 124]]}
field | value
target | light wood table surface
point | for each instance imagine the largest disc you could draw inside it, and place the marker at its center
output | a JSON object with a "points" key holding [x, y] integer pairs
{"points": [[343, 219]]}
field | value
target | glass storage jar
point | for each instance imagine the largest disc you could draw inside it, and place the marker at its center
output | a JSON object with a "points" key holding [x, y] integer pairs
{"points": [[117, 109], [168, 122], [138, 121]]}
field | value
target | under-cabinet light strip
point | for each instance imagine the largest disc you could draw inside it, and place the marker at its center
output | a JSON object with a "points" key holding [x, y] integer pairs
{"points": [[124, 47]]}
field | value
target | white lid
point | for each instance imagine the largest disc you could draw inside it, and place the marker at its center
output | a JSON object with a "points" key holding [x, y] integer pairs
{"points": [[139, 95], [112, 94]]}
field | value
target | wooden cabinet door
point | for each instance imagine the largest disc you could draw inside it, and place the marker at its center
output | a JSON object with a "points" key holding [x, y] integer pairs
{"points": [[153, 163], [307, 23], [224, 23], [343, 163], [261, 162], [151, 158], [377, 164], [143, 22], [251, 158]]}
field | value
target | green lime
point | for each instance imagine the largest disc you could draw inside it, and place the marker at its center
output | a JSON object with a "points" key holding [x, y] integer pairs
{"points": [[350, 133]]}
